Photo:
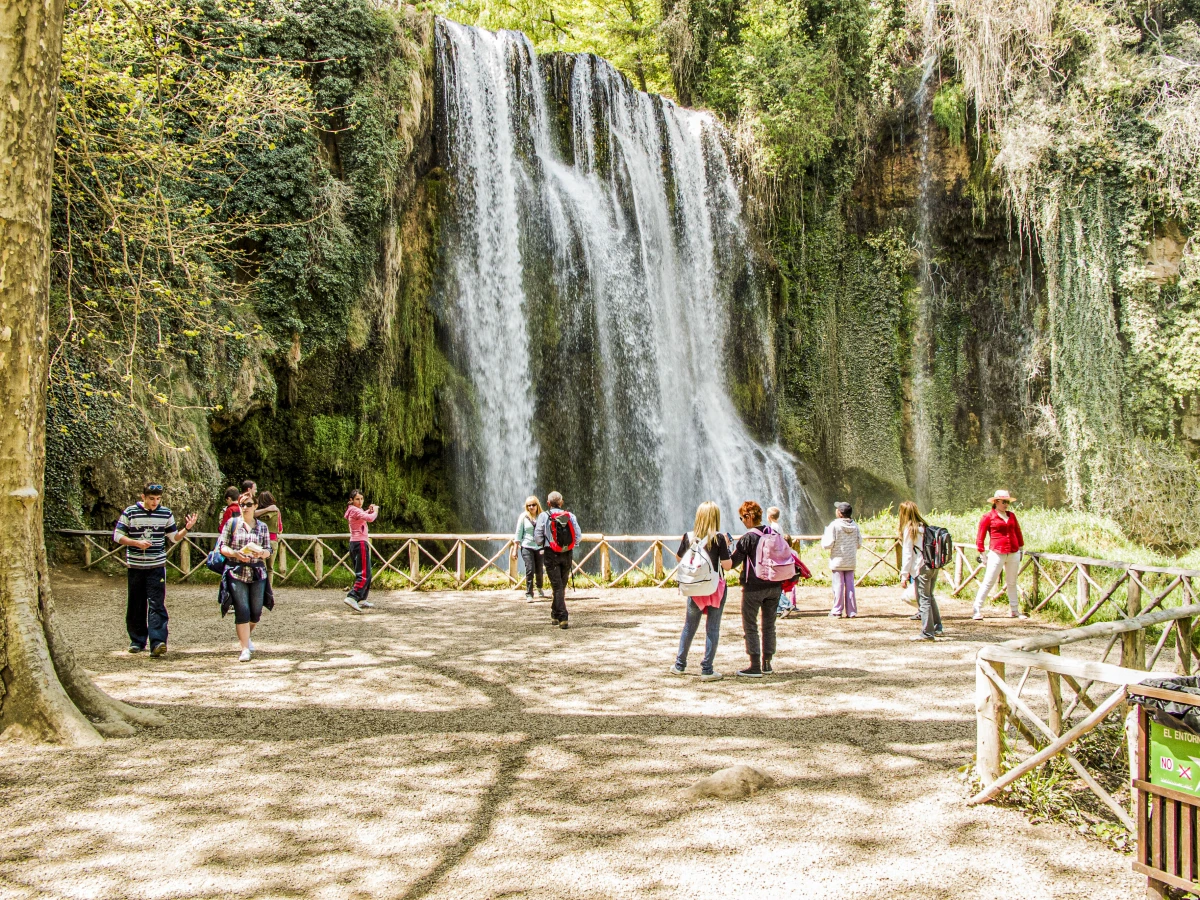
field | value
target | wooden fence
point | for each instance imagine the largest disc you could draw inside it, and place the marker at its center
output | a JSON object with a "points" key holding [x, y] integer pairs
{"points": [[1136, 599]]}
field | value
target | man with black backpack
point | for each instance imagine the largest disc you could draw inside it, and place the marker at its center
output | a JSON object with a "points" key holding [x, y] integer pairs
{"points": [[558, 532]]}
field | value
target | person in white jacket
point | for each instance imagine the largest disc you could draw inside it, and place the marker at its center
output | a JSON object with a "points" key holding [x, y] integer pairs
{"points": [[914, 568], [843, 539]]}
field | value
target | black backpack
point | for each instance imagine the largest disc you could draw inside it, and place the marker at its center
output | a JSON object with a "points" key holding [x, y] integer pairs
{"points": [[937, 547]]}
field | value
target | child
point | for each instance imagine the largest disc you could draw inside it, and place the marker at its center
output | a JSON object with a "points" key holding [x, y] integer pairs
{"points": [[787, 600], [360, 550], [842, 539]]}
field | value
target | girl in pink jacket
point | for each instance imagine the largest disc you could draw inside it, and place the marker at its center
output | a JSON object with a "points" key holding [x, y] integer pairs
{"points": [[360, 550]]}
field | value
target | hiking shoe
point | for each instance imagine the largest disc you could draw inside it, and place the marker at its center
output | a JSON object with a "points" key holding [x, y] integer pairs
{"points": [[158, 650], [977, 616], [366, 604], [751, 672], [563, 624], [245, 657], [353, 604], [136, 648], [675, 670], [711, 676]]}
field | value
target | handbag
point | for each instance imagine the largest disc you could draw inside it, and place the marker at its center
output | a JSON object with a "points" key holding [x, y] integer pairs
{"points": [[216, 561]]}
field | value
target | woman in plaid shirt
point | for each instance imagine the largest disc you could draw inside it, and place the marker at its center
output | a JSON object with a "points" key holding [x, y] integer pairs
{"points": [[246, 542]]}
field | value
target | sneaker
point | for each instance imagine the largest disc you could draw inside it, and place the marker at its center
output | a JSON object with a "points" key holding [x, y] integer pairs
{"points": [[711, 676], [675, 670], [750, 672], [1017, 615], [554, 622], [938, 632], [245, 657], [852, 616], [977, 616], [541, 593], [563, 624], [353, 604], [136, 648], [252, 647], [158, 650], [766, 668], [529, 598], [366, 604], [922, 637], [916, 617]]}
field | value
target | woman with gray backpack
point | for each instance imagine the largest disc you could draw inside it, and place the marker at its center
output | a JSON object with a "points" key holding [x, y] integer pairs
{"points": [[703, 556]]}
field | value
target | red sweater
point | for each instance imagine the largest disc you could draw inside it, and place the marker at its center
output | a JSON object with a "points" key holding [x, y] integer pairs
{"points": [[231, 510], [1003, 537]]}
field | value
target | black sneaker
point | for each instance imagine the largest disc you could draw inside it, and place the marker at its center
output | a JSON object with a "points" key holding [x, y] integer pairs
{"points": [[158, 650], [136, 648], [766, 667], [751, 672]]}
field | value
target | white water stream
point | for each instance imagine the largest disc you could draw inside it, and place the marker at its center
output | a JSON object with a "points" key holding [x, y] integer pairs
{"points": [[605, 224]]}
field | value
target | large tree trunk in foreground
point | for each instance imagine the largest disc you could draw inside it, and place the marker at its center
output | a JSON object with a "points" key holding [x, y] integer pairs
{"points": [[44, 694]]}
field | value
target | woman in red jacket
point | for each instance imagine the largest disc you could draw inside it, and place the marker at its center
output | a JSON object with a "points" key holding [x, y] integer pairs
{"points": [[1003, 534]]}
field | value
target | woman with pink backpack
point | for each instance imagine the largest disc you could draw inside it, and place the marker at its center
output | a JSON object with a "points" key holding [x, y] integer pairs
{"points": [[767, 562]]}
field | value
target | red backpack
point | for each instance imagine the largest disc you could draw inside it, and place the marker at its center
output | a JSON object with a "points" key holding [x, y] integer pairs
{"points": [[560, 531]]}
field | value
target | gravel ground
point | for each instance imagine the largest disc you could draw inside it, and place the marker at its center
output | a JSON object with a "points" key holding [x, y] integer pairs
{"points": [[455, 745]]}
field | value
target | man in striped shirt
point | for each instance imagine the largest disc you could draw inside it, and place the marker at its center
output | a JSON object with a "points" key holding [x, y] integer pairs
{"points": [[143, 530]]}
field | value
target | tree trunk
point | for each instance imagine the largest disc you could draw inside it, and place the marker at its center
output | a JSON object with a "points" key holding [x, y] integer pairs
{"points": [[44, 694]]}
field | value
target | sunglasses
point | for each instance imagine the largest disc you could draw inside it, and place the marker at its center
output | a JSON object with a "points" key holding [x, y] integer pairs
{"points": [[153, 489], [247, 505], [531, 506]]}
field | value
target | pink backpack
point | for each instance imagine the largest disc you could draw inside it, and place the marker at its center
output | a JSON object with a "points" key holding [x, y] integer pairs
{"points": [[773, 559]]}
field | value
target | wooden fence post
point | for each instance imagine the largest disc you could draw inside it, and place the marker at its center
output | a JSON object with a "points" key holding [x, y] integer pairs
{"points": [[185, 557], [414, 560], [1055, 683], [87, 551], [281, 558], [658, 561], [1083, 588], [1183, 646], [512, 561], [1035, 591], [460, 562], [959, 555], [319, 560], [899, 555], [1133, 643], [990, 714], [605, 562]]}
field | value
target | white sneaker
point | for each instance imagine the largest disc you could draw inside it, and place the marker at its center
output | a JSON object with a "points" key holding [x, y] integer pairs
{"points": [[977, 616], [245, 657], [712, 676], [252, 647], [1013, 614], [352, 603], [366, 604]]}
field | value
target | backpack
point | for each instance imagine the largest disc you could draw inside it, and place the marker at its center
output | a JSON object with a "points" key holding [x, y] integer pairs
{"points": [[695, 573], [216, 561], [560, 532], [773, 560], [937, 547]]}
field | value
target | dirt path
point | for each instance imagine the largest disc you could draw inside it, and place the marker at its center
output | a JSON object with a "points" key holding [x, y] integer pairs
{"points": [[455, 745]]}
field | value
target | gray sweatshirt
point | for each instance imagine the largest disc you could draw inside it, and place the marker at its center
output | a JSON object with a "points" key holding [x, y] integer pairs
{"points": [[842, 539]]}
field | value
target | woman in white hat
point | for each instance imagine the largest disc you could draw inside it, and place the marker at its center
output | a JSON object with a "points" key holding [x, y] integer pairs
{"points": [[1005, 541]]}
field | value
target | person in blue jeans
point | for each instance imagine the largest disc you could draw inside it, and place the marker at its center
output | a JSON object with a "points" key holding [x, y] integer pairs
{"points": [[706, 531]]}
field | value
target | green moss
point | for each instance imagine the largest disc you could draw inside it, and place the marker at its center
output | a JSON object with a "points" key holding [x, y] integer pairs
{"points": [[950, 111]]}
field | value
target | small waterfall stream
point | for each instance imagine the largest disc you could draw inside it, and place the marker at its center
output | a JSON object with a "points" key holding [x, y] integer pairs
{"points": [[597, 276]]}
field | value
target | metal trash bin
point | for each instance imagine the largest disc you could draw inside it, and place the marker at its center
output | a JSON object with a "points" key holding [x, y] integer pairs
{"points": [[1167, 784]]}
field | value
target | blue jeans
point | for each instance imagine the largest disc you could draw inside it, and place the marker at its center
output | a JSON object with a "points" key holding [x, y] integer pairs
{"points": [[247, 600], [712, 633]]}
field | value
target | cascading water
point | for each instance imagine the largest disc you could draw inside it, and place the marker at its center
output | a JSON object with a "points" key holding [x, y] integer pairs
{"points": [[594, 254]]}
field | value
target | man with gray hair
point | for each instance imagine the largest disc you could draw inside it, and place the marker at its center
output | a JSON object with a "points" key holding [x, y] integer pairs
{"points": [[558, 532]]}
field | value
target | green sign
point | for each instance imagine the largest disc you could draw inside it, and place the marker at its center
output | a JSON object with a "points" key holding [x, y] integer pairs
{"points": [[1174, 758]]}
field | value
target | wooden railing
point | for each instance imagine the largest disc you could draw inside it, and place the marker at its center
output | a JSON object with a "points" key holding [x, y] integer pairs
{"points": [[999, 703]]}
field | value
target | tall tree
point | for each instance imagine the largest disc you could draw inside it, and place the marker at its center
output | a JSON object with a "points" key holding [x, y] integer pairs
{"points": [[44, 692]]}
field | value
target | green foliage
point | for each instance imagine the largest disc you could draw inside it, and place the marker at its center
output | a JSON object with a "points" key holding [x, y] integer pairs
{"points": [[950, 111]]}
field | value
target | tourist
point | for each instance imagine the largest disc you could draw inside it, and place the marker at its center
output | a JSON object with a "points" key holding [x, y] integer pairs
{"points": [[360, 550], [843, 539], [759, 596], [231, 506], [913, 567], [249, 487], [787, 598], [531, 552], [247, 542], [557, 533], [999, 525], [706, 534], [268, 510], [143, 530]]}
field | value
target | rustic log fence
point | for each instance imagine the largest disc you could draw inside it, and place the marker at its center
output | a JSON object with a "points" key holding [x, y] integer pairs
{"points": [[1136, 597]]}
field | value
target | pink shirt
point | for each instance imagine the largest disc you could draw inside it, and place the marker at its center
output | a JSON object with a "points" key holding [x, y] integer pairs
{"points": [[358, 522]]}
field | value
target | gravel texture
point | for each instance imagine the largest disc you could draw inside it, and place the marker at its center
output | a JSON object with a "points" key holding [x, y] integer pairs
{"points": [[455, 745]]}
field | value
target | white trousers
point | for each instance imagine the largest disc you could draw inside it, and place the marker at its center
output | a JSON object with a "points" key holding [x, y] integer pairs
{"points": [[1010, 562]]}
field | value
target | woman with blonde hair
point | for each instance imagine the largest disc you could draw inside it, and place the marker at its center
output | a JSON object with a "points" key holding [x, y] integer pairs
{"points": [[913, 567], [526, 540], [704, 547]]}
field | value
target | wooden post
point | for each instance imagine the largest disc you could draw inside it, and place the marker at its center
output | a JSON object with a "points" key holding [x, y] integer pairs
{"points": [[319, 560], [1183, 646], [959, 555], [460, 562], [414, 560], [658, 561], [1035, 591], [1083, 588], [87, 551], [281, 558], [1133, 643], [1056, 710], [899, 555], [185, 557], [990, 714], [512, 562], [605, 563]]}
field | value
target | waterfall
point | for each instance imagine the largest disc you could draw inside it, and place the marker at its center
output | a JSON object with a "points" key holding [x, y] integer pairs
{"points": [[597, 277]]}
